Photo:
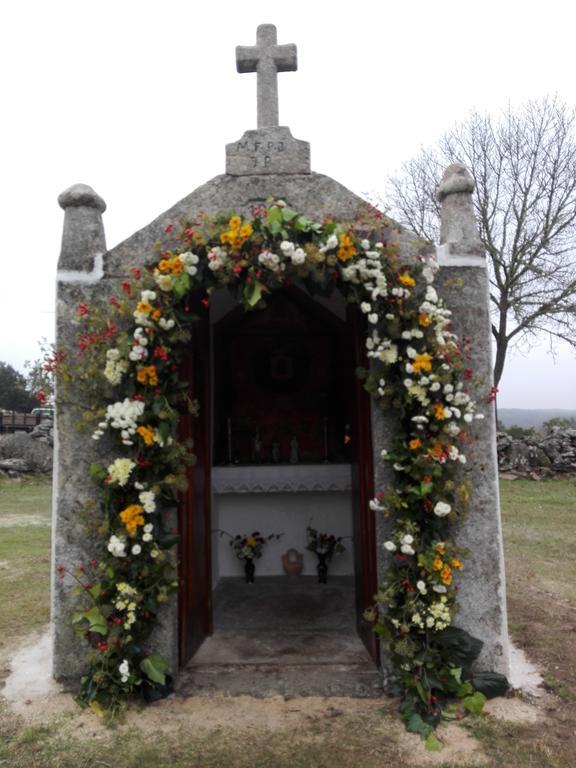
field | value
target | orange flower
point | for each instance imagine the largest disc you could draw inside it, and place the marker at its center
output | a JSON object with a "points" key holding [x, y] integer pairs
{"points": [[147, 375], [438, 411], [437, 565], [446, 575], [346, 247], [406, 280], [424, 320], [156, 315], [422, 363], [132, 517], [147, 434], [415, 444], [440, 548], [457, 564], [143, 307]]}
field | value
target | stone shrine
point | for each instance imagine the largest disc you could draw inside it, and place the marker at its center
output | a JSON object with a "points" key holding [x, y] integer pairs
{"points": [[261, 470]]}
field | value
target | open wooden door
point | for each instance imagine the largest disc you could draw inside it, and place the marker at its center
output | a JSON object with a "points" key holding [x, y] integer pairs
{"points": [[365, 564], [194, 552]]}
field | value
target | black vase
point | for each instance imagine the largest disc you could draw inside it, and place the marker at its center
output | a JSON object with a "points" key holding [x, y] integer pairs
{"points": [[322, 567], [249, 569]]}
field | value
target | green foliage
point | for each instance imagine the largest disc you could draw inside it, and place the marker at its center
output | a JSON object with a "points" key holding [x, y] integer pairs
{"points": [[14, 395]]}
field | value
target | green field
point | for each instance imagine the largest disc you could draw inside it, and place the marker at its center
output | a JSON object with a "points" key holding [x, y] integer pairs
{"points": [[538, 521]]}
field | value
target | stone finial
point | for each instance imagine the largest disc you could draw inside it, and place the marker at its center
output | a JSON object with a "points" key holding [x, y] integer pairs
{"points": [[81, 195], [83, 237], [267, 58], [458, 227]]}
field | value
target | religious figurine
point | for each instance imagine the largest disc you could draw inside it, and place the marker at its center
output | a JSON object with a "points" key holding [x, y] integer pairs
{"points": [[294, 451], [276, 452], [257, 448]]}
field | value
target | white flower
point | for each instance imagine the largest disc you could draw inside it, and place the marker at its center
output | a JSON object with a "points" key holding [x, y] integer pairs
{"points": [[439, 588], [390, 546], [407, 539], [375, 505], [166, 323], [366, 245], [406, 549], [421, 587], [117, 546], [119, 471], [442, 509], [148, 501], [164, 282], [136, 549], [147, 537], [365, 307], [383, 453], [287, 247], [124, 669], [373, 318], [298, 256], [332, 242], [411, 352]]}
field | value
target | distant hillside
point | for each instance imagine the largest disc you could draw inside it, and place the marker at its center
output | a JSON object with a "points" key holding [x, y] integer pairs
{"points": [[521, 417]]}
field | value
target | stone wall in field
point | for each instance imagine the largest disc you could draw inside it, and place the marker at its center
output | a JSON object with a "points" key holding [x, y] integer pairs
{"points": [[548, 455]]}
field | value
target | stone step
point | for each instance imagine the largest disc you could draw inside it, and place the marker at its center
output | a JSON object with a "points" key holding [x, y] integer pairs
{"points": [[264, 680]]}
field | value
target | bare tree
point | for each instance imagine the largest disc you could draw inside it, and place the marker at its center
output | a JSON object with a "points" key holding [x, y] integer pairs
{"points": [[524, 166]]}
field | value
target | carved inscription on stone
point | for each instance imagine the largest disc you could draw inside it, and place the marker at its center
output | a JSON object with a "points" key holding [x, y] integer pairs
{"points": [[267, 150]]}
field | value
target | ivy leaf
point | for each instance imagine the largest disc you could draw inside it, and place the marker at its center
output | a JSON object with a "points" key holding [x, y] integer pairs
{"points": [[432, 743], [96, 622], [415, 724], [475, 703], [288, 214], [154, 667]]}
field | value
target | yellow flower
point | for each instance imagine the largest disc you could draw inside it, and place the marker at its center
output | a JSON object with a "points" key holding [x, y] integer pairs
{"points": [[440, 548], [424, 320], [346, 248], [143, 307], [406, 280], [455, 563], [415, 444], [237, 234], [235, 222], [147, 375], [437, 565], [250, 541], [147, 434], [422, 363], [132, 517]]}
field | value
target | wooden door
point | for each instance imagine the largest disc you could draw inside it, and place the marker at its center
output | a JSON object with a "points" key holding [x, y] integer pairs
{"points": [[365, 564], [195, 574]]}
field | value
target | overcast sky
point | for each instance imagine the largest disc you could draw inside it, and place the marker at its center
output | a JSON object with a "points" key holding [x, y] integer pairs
{"points": [[138, 99]]}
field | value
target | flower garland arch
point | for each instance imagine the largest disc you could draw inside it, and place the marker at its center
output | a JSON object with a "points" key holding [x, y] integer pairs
{"points": [[418, 367]]}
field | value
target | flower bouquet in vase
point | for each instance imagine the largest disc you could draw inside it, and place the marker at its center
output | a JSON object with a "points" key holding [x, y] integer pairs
{"points": [[248, 547], [324, 546]]}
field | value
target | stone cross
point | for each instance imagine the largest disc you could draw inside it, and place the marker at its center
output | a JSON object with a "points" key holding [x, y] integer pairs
{"points": [[267, 59]]}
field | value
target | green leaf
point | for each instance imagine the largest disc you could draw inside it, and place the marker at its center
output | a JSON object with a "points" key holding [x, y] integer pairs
{"points": [[97, 472], [253, 293], [95, 590], [491, 684], [432, 743], [96, 622], [464, 689], [475, 703], [288, 214], [154, 667], [415, 724]]}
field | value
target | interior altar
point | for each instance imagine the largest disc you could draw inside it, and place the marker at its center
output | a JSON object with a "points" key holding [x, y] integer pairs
{"points": [[282, 434]]}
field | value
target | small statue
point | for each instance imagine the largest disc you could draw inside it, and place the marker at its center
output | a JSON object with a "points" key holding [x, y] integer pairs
{"points": [[294, 451], [276, 452], [293, 563], [257, 448]]}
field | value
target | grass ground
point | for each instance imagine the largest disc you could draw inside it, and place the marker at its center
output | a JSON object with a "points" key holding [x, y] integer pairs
{"points": [[538, 520]]}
